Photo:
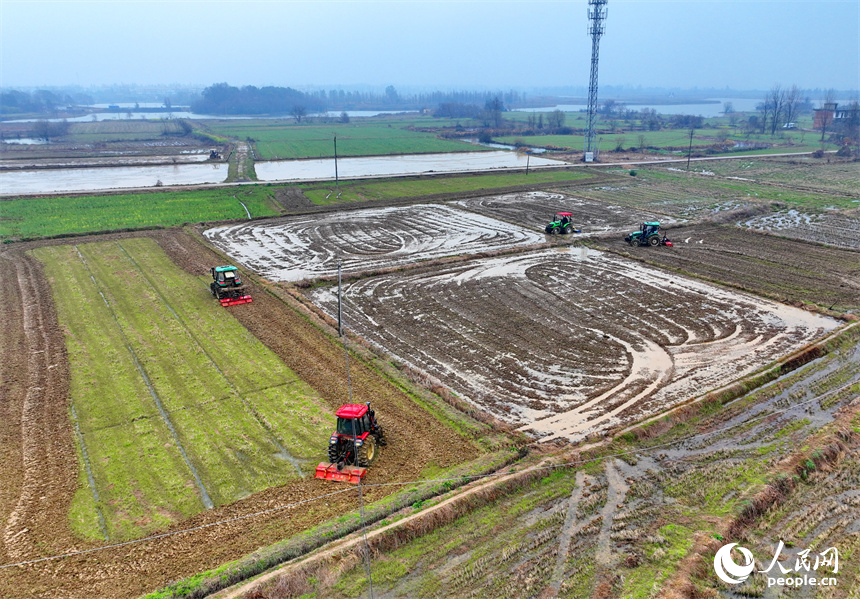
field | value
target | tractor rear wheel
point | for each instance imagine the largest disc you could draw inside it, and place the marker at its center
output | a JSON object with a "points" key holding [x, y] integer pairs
{"points": [[333, 452], [367, 452], [654, 240], [568, 228]]}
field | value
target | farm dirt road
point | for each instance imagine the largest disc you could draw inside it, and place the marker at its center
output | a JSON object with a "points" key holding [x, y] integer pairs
{"points": [[40, 469]]}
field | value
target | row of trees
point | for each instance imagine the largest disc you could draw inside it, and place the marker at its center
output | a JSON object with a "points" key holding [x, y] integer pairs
{"points": [[222, 98], [43, 101]]}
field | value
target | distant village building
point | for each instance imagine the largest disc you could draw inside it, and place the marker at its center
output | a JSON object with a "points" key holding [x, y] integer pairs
{"points": [[830, 114]]}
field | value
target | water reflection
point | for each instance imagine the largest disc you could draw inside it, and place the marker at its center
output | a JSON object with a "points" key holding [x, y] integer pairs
{"points": [[380, 166]]}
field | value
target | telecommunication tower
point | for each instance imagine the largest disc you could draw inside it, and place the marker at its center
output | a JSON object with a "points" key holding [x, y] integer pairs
{"points": [[597, 12]]}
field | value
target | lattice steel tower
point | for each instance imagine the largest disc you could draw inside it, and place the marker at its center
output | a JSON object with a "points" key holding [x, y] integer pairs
{"points": [[596, 16]]}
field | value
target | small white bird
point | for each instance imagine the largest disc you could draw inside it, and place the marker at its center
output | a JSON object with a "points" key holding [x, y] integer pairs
{"points": [[700, 241], [687, 240]]}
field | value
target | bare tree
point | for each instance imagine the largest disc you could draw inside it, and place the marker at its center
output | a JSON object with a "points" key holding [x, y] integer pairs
{"points": [[826, 115], [642, 142], [555, 120], [298, 112], [774, 103], [792, 104]]}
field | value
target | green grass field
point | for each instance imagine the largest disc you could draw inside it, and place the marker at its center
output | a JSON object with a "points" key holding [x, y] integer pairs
{"points": [[278, 139], [175, 400], [24, 218]]}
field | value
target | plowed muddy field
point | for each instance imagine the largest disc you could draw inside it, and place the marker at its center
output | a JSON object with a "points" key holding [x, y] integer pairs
{"points": [[308, 247], [563, 343], [40, 467], [833, 228], [535, 209], [783, 269]]}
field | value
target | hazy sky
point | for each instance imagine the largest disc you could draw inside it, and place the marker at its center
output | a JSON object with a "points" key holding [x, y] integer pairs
{"points": [[440, 44]]}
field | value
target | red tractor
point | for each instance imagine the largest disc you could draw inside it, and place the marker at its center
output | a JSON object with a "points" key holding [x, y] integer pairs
{"points": [[354, 445]]}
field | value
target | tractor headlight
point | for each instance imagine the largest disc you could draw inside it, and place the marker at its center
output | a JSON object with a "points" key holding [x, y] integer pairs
{"points": [[358, 442], [332, 440]]}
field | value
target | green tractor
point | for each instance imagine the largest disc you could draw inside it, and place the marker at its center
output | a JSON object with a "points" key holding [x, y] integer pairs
{"points": [[562, 224], [228, 287], [648, 234]]}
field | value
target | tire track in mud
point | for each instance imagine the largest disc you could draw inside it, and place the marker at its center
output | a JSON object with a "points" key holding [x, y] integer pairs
{"points": [[47, 463], [295, 248], [535, 210], [564, 344], [615, 496], [568, 529]]}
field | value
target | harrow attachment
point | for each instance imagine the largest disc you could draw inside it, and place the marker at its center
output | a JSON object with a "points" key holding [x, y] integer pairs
{"points": [[235, 301], [347, 474]]}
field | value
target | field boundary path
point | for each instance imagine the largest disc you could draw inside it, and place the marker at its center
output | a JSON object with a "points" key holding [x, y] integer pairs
{"points": [[356, 540], [39, 463]]}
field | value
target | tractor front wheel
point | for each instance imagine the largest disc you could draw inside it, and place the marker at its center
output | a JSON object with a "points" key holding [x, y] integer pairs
{"points": [[367, 452]]}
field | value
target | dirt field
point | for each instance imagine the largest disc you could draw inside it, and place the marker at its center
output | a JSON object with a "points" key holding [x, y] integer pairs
{"points": [[568, 342], [296, 248], [832, 228], [536, 209], [783, 269], [40, 465]]}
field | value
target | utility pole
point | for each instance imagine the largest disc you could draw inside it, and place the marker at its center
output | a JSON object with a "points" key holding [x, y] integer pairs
{"points": [[596, 16], [339, 305], [335, 160], [690, 149]]}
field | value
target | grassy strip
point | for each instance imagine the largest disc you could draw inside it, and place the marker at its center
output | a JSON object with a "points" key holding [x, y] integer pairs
{"points": [[32, 218], [421, 186], [233, 402]]}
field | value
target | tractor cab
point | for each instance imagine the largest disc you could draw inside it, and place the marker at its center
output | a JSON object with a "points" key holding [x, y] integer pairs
{"points": [[562, 223], [649, 229], [648, 234], [355, 420], [226, 276], [354, 445]]}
